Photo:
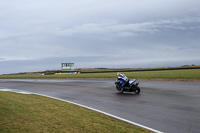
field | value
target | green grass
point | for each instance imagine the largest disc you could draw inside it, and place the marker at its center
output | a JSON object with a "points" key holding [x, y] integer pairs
{"points": [[166, 74], [21, 113]]}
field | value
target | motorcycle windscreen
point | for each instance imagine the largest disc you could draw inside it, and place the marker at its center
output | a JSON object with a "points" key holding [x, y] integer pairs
{"points": [[132, 81]]}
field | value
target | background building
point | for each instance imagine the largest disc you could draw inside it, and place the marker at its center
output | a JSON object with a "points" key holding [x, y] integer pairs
{"points": [[67, 67]]}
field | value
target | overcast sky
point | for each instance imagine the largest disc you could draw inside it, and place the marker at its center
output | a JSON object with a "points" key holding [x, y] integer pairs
{"points": [[41, 34]]}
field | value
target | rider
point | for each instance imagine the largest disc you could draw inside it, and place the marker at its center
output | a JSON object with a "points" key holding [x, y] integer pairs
{"points": [[122, 77]]}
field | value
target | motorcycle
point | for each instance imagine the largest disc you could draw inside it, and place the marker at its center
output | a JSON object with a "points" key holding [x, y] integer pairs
{"points": [[130, 86]]}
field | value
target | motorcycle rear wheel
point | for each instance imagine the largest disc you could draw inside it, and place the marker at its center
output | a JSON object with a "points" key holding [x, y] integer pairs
{"points": [[119, 89]]}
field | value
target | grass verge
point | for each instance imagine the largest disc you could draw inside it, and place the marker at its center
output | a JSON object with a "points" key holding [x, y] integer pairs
{"points": [[164, 74], [22, 113]]}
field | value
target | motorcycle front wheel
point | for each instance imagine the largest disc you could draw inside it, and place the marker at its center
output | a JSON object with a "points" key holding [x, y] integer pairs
{"points": [[119, 89], [137, 89]]}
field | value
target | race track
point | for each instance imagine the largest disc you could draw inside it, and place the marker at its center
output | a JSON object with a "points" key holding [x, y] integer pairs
{"points": [[172, 107]]}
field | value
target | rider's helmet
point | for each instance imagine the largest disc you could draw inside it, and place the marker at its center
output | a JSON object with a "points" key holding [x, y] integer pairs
{"points": [[119, 74]]}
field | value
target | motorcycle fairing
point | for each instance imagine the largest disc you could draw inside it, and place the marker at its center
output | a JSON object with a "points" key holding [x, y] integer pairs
{"points": [[132, 81]]}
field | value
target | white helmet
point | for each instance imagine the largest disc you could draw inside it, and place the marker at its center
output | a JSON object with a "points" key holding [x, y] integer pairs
{"points": [[119, 73]]}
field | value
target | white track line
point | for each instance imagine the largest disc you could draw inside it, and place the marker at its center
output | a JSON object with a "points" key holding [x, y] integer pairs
{"points": [[113, 116]]}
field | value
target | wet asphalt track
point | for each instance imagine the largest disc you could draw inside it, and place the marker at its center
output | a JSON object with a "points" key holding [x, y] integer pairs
{"points": [[171, 107]]}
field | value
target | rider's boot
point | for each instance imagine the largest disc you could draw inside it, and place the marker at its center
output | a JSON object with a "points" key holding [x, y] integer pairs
{"points": [[126, 88]]}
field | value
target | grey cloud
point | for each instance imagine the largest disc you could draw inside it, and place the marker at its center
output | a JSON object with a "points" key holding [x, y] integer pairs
{"points": [[39, 34], [132, 29]]}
